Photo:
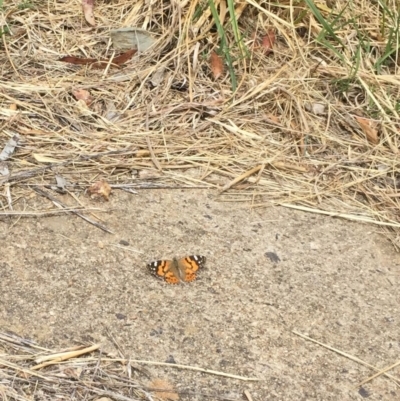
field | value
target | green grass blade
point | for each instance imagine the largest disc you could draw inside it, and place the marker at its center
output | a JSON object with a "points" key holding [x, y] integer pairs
{"points": [[328, 28], [224, 44]]}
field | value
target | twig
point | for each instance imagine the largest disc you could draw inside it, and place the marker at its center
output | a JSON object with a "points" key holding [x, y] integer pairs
{"points": [[342, 215], [68, 210], [153, 156], [48, 213], [197, 369], [379, 373], [62, 356], [242, 177], [23, 370], [351, 357]]}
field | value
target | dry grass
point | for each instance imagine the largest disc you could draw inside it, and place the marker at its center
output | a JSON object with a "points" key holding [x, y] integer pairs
{"points": [[29, 371], [24, 376], [262, 144]]}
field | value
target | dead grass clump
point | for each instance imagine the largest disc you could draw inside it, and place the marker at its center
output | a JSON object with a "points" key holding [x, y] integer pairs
{"points": [[29, 371], [314, 124]]}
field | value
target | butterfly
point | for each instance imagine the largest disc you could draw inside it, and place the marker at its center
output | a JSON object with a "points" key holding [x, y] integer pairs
{"points": [[176, 270]]}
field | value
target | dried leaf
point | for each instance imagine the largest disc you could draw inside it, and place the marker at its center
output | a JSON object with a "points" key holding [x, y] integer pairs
{"points": [[111, 113], [9, 148], [82, 94], [124, 57], [94, 63], [116, 61], [100, 188], [158, 76], [168, 394], [87, 6], [77, 60], [44, 159], [369, 130], [132, 38], [61, 182], [83, 108], [217, 66], [267, 42], [315, 108]]}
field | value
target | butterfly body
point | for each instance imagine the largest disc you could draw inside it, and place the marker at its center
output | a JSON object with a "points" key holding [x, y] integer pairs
{"points": [[176, 270]]}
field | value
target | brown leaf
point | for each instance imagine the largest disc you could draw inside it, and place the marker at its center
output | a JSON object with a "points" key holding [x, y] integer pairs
{"points": [[116, 61], [100, 188], [368, 127], [217, 66], [267, 42], [87, 6], [77, 60], [169, 394], [82, 94], [94, 63]]}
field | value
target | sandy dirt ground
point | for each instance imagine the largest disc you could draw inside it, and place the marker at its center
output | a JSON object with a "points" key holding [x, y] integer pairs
{"points": [[269, 272]]}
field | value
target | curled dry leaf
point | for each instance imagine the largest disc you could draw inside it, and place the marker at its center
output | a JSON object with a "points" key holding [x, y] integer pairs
{"points": [[87, 6], [122, 58], [368, 127], [267, 42], [100, 64], [82, 94], [100, 188], [217, 66]]}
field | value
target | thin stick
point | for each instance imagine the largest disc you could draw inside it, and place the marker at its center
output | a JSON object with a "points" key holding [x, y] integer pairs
{"points": [[17, 340], [153, 156], [48, 213], [379, 373], [62, 356], [23, 370], [351, 357], [342, 215], [242, 177], [62, 206], [195, 368]]}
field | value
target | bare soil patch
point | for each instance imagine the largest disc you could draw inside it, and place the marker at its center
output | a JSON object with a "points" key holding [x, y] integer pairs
{"points": [[66, 282]]}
